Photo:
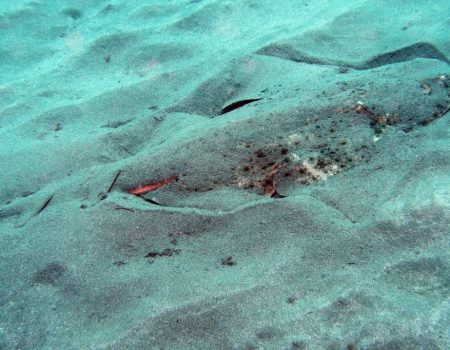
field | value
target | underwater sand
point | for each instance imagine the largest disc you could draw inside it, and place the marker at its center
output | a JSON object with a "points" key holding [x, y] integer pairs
{"points": [[229, 175]]}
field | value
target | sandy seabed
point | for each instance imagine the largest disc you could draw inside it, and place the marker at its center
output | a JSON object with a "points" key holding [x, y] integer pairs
{"points": [[233, 175]]}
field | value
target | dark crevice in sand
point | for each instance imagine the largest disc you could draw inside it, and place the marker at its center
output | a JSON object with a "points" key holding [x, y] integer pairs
{"points": [[408, 53], [44, 205], [237, 104], [113, 181]]}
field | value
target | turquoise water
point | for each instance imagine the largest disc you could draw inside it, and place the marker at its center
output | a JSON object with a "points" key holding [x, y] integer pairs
{"points": [[228, 175]]}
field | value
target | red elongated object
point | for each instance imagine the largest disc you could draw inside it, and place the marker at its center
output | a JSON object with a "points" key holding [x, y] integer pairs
{"points": [[153, 186]]}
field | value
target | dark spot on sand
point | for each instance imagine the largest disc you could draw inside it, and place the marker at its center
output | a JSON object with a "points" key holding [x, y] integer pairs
{"points": [[165, 252], [260, 153], [228, 261], [72, 13], [292, 299], [50, 274]]}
